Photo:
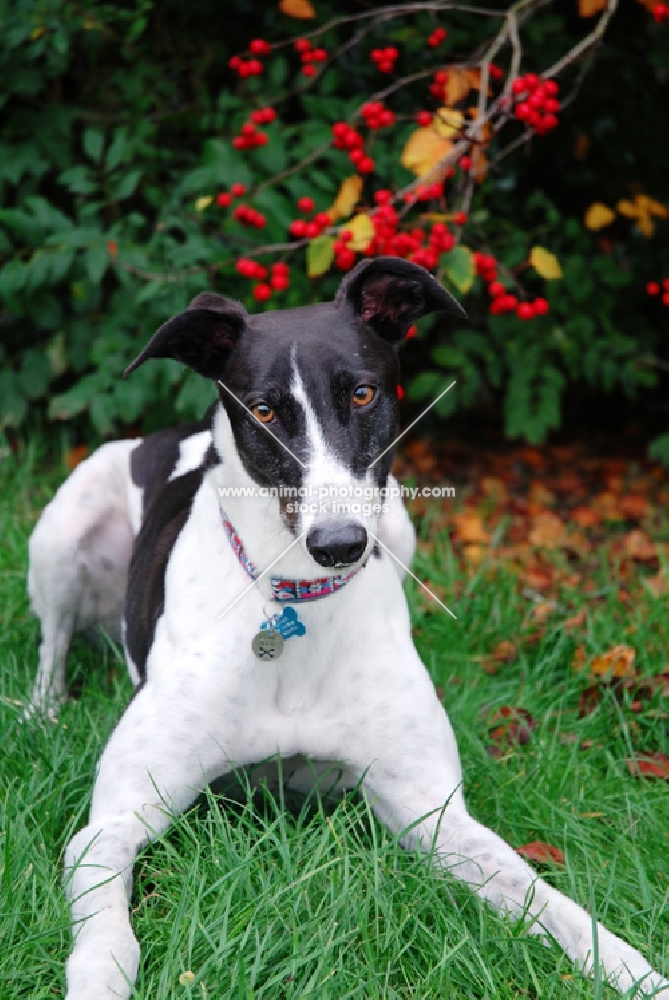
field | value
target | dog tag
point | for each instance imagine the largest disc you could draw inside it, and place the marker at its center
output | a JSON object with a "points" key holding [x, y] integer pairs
{"points": [[267, 645]]}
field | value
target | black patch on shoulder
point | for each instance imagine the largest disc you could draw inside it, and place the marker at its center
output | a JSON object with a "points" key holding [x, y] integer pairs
{"points": [[166, 508], [153, 461], [145, 596]]}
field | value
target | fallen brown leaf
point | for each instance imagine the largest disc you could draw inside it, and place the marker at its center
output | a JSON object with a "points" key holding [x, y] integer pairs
{"points": [[541, 853], [637, 545], [547, 530], [655, 765]]}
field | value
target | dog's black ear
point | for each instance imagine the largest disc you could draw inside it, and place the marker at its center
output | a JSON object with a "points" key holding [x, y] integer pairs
{"points": [[202, 337], [390, 294]]}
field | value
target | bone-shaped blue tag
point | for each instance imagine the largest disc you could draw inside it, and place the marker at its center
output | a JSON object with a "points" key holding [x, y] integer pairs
{"points": [[287, 624]]}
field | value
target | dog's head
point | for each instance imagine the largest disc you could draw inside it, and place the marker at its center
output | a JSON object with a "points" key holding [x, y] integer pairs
{"points": [[311, 395]]}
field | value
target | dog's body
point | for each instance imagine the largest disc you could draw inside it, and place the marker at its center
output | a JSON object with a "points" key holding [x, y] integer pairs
{"points": [[351, 692]]}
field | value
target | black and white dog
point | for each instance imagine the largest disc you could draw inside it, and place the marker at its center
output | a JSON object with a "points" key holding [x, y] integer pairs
{"points": [[258, 626]]}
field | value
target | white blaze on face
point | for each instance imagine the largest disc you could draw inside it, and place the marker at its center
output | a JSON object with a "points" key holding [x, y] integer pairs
{"points": [[331, 490]]}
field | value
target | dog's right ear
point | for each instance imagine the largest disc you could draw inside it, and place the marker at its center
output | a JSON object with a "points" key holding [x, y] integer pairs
{"points": [[202, 337]]}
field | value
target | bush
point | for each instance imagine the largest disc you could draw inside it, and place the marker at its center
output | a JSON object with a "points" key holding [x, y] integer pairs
{"points": [[126, 129]]}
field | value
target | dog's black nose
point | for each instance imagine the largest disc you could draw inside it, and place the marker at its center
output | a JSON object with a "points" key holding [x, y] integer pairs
{"points": [[337, 546]]}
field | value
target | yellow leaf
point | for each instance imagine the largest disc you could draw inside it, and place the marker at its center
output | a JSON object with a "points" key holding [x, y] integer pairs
{"points": [[423, 151], [643, 209], [447, 122], [203, 202], [362, 228], [300, 9], [652, 207], [460, 81], [545, 263], [587, 8], [347, 197], [598, 216], [627, 208]]}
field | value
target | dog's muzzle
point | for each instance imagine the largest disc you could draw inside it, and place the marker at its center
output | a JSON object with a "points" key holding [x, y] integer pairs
{"points": [[338, 545]]}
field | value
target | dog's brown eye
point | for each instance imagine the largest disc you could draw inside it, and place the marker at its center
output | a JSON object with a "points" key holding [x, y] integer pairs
{"points": [[363, 395], [263, 412]]}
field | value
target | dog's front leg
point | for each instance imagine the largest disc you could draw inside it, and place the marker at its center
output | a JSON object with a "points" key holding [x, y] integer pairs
{"points": [[154, 765], [414, 785]]}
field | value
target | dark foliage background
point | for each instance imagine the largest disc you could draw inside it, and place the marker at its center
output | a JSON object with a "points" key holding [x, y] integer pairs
{"points": [[117, 118]]}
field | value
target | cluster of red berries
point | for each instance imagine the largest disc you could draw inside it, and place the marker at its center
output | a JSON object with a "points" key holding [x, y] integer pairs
{"points": [[654, 287], [309, 56], [439, 81], [503, 301], [437, 37], [377, 116], [346, 137], [506, 302], [537, 103], [426, 192], [384, 59], [250, 136], [225, 198], [344, 257], [279, 277], [249, 216], [302, 229], [245, 67], [661, 14]]}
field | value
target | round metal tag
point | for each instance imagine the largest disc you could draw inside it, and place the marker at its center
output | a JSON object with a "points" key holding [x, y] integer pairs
{"points": [[267, 645]]}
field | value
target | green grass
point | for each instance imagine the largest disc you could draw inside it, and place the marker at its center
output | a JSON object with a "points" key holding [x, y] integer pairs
{"points": [[264, 901]]}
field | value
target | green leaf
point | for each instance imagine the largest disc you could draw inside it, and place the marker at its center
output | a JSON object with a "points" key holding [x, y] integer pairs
{"points": [[320, 254], [93, 141], [458, 264]]}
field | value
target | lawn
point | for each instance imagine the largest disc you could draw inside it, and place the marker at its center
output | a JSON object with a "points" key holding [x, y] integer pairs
{"points": [[263, 899]]}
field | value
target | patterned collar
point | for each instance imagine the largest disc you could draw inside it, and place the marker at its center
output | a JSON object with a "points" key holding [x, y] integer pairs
{"points": [[282, 589]]}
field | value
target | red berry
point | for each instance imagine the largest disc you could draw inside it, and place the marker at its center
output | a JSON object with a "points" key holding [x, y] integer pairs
{"points": [[412, 332], [460, 218], [234, 62], [298, 228], [309, 70], [279, 282], [382, 197], [311, 230], [665, 299], [239, 142], [345, 260], [665, 281], [496, 72], [496, 288], [259, 47], [262, 292], [323, 219], [319, 55], [237, 189], [653, 288], [437, 37], [518, 86], [254, 67], [541, 307], [424, 118], [301, 44], [306, 205], [385, 66], [465, 163], [365, 165], [523, 111], [551, 88], [532, 80], [525, 310], [223, 199], [441, 77], [400, 393]]}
